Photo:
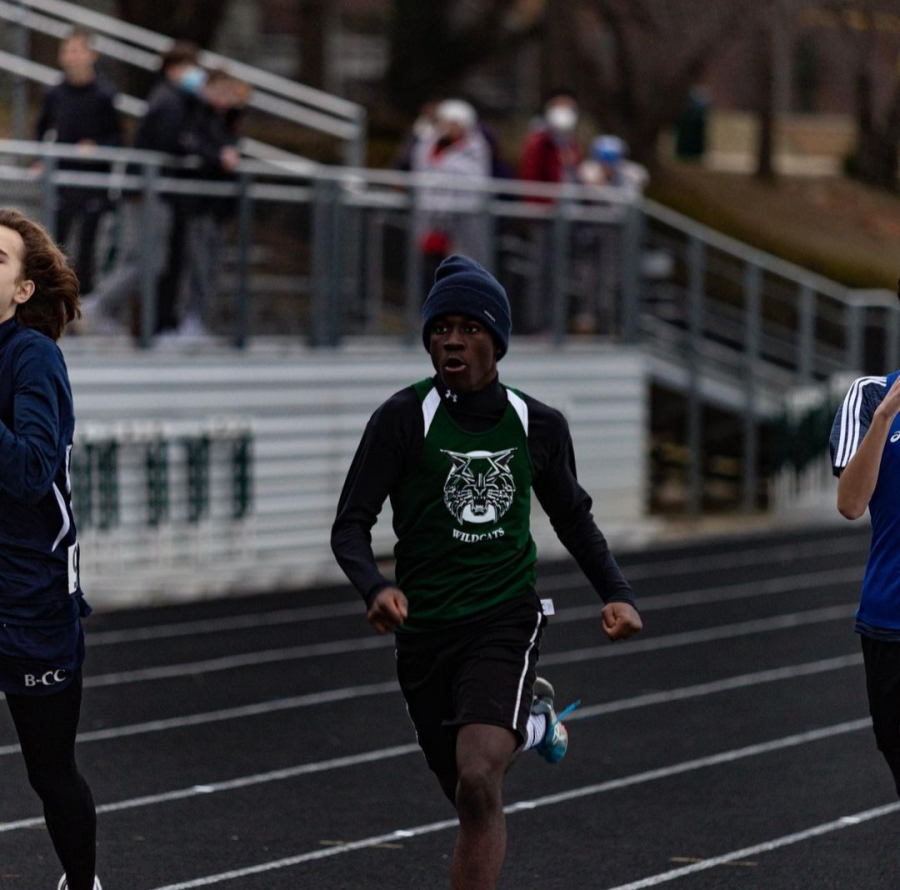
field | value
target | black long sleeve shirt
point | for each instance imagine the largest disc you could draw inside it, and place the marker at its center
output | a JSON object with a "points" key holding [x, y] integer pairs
{"points": [[390, 450], [73, 113]]}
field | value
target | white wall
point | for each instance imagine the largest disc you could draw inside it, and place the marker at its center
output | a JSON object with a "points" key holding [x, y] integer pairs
{"points": [[308, 410]]}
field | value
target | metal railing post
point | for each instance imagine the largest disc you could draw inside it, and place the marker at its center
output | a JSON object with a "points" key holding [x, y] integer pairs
{"points": [[325, 305], [485, 209], [413, 273], [807, 335], [322, 261], [373, 241], [337, 271], [696, 292], [632, 237], [49, 196], [150, 270], [892, 338], [854, 336], [355, 148], [22, 49], [560, 236], [245, 241], [752, 324]]}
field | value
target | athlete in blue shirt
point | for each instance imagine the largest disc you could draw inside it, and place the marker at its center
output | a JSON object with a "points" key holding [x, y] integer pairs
{"points": [[865, 451], [41, 602]]}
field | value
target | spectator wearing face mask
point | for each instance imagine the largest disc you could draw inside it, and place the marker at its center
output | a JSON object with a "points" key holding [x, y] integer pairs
{"points": [[609, 165], [449, 218], [552, 152], [169, 126], [216, 140]]}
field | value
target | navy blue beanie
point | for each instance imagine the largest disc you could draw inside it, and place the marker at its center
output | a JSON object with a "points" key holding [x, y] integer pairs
{"points": [[463, 287]]}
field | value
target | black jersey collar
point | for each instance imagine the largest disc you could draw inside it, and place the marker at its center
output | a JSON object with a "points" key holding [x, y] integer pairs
{"points": [[490, 399]]}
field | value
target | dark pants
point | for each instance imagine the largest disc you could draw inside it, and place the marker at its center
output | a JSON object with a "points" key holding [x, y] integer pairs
{"points": [[46, 726], [89, 207], [170, 280], [882, 660]]}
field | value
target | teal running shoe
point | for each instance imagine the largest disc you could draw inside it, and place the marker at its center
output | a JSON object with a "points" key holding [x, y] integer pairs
{"points": [[555, 743]]}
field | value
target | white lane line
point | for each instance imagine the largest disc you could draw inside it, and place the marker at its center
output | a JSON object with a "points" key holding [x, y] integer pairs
{"points": [[248, 659], [641, 701], [706, 635], [279, 775], [549, 584], [724, 594], [729, 684], [653, 775], [352, 692], [238, 713], [765, 847], [357, 644], [249, 621], [786, 553]]}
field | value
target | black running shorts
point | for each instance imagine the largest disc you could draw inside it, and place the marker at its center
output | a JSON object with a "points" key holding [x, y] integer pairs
{"points": [[481, 672]]}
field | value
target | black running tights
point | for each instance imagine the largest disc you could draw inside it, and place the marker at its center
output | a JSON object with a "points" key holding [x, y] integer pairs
{"points": [[882, 659], [46, 725]]}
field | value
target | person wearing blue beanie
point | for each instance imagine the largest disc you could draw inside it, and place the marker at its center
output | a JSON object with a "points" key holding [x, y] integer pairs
{"points": [[463, 287], [459, 454]]}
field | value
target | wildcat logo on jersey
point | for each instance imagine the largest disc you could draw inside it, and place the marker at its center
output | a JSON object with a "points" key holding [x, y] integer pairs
{"points": [[480, 486]]}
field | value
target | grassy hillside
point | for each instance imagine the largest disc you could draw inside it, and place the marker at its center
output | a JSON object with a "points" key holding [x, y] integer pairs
{"points": [[834, 226]]}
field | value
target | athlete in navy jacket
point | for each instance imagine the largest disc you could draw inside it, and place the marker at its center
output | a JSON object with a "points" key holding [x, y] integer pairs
{"points": [[41, 602]]}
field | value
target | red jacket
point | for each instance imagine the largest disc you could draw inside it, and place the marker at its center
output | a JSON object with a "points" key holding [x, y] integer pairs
{"points": [[545, 160]]}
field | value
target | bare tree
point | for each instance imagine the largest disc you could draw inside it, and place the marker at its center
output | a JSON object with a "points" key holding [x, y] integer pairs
{"points": [[764, 75], [644, 56], [876, 159], [315, 22], [435, 43], [196, 20]]}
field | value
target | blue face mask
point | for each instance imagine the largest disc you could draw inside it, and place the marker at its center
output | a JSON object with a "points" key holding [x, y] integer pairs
{"points": [[193, 80]]}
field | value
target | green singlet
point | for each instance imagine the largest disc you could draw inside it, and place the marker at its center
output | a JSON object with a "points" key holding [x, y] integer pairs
{"points": [[462, 520]]}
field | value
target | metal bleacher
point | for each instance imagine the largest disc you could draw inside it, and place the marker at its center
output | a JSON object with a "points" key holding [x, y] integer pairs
{"points": [[128, 44]]}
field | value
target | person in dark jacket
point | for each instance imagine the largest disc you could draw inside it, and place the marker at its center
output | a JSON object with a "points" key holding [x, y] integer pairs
{"points": [[214, 139], [41, 600], [170, 126], [167, 127], [80, 110]]}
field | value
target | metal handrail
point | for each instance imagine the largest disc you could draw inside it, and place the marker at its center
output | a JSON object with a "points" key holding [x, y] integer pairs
{"points": [[292, 182], [742, 251], [115, 49], [137, 108], [324, 112], [575, 202], [159, 43]]}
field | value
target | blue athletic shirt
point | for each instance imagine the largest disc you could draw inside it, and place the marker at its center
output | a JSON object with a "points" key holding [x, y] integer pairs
{"points": [[40, 590], [878, 615]]}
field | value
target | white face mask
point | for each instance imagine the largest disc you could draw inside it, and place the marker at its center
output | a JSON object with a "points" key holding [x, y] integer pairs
{"points": [[562, 118]]}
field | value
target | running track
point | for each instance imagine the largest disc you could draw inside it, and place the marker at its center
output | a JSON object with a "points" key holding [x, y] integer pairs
{"points": [[260, 743]]}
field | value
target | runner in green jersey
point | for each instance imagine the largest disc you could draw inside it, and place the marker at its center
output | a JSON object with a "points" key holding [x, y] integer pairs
{"points": [[459, 455]]}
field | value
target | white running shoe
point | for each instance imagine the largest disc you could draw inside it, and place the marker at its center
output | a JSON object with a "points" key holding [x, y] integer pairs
{"points": [[63, 884]]}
